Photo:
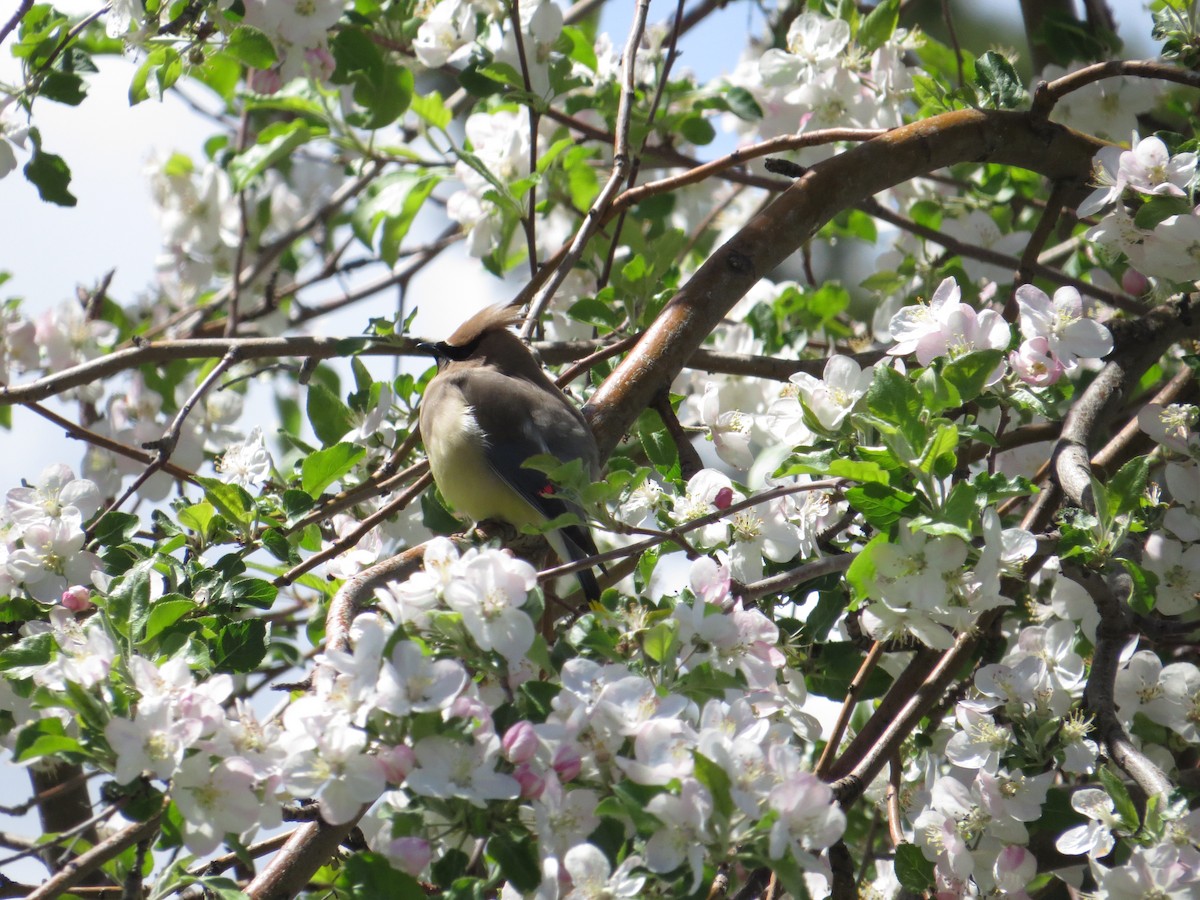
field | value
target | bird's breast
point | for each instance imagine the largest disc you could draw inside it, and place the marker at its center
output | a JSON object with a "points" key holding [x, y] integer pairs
{"points": [[457, 449]]}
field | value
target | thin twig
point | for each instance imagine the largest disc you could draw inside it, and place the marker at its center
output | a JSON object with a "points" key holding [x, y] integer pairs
{"points": [[165, 445], [528, 220], [853, 692], [341, 545], [24, 7], [80, 433], [692, 525], [621, 161], [83, 865], [948, 19]]}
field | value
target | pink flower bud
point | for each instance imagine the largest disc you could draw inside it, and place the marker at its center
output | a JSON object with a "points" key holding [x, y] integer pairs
{"points": [[396, 762], [411, 854], [520, 743], [472, 708], [724, 498], [567, 762], [1134, 282], [532, 784], [77, 598]]}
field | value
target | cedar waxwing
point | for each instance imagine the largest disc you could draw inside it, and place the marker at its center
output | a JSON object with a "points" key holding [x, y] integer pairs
{"points": [[488, 410]]}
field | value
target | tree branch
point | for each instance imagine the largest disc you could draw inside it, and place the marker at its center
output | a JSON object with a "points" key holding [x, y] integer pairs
{"points": [[1011, 138]]}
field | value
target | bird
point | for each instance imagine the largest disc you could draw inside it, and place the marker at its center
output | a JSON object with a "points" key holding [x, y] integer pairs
{"points": [[491, 407]]}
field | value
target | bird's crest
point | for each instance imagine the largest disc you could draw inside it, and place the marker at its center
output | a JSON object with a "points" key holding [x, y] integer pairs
{"points": [[491, 318]]}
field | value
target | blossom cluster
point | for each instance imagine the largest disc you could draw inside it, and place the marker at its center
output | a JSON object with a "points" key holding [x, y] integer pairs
{"points": [[1168, 249], [42, 537], [1173, 554], [823, 78], [663, 737], [397, 722]]}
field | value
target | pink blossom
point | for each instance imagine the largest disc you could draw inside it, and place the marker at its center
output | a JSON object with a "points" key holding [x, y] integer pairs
{"points": [[520, 743], [1035, 364]]}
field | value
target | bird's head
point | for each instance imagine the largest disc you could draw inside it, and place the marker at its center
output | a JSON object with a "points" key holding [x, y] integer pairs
{"points": [[484, 339]]}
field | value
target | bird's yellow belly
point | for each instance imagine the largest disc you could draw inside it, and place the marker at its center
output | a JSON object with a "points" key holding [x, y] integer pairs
{"points": [[463, 474]]}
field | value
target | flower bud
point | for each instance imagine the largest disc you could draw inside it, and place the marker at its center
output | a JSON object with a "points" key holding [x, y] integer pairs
{"points": [[396, 762], [1134, 282], [532, 784], [520, 743], [410, 854], [567, 762], [77, 598]]}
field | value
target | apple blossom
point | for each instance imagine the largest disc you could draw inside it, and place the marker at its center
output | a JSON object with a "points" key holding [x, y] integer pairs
{"points": [[592, 878]]}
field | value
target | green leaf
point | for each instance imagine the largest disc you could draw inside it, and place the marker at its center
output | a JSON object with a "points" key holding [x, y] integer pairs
{"points": [[880, 505], [50, 175], [893, 399], [578, 47], [63, 87], [998, 80], [396, 225], [240, 646], [593, 311], [275, 143], [252, 47], [878, 25], [825, 614], [445, 870], [1123, 803], [329, 416], [32, 651], [432, 108], [230, 499], [383, 89], [366, 876], [938, 454], [970, 372], [165, 612], [115, 527], [658, 641], [858, 471], [1151, 213], [861, 574], [296, 504], [1127, 487], [128, 600], [252, 592], [743, 105], [718, 782], [655, 440], [161, 69], [324, 467], [221, 73], [835, 665], [1142, 594], [44, 737], [913, 870], [697, 130], [936, 392], [518, 860], [198, 517], [815, 463]]}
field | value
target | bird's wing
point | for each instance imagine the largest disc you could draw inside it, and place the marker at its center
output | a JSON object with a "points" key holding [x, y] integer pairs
{"points": [[502, 406], [522, 421]]}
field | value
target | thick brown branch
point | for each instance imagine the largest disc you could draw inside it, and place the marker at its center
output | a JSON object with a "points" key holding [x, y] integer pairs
{"points": [[1009, 138]]}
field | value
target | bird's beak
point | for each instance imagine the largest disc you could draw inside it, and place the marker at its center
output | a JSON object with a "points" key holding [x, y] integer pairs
{"points": [[436, 350]]}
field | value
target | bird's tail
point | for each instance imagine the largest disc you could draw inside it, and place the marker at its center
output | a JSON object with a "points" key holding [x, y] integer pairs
{"points": [[574, 542]]}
